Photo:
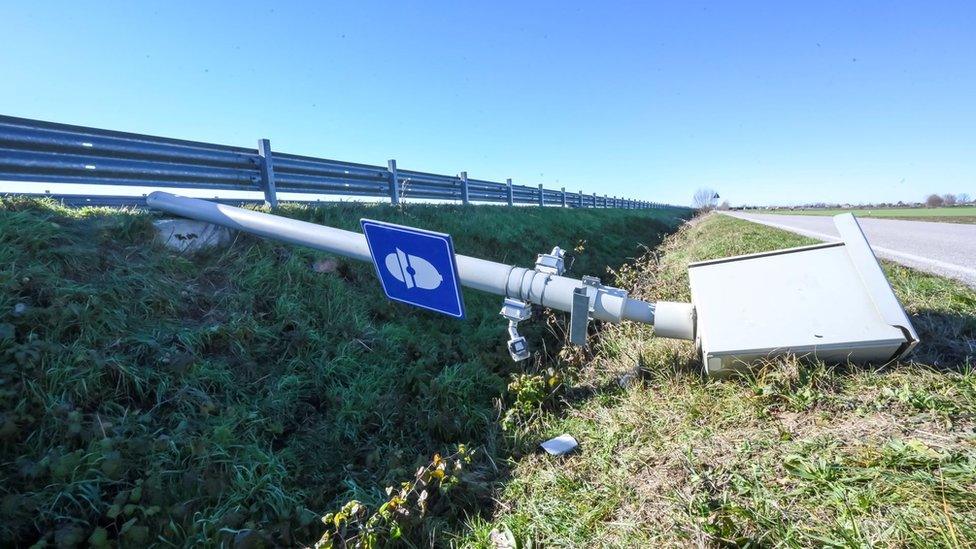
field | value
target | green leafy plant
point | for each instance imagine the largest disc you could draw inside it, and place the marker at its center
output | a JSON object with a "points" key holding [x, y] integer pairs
{"points": [[353, 526]]}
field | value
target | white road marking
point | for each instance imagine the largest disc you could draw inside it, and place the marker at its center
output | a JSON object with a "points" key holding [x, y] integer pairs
{"points": [[881, 250]]}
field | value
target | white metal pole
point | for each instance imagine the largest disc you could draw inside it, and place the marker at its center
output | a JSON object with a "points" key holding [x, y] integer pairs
{"points": [[549, 290]]}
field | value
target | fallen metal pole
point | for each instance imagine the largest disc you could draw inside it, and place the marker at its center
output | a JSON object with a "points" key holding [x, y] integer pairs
{"points": [[529, 285]]}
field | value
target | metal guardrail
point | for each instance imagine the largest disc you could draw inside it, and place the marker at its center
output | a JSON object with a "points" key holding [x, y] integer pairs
{"points": [[36, 151]]}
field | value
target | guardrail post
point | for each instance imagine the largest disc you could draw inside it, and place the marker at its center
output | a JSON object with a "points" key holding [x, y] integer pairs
{"points": [[564, 197], [464, 188], [267, 173], [394, 182], [542, 197], [511, 193], [579, 199]]}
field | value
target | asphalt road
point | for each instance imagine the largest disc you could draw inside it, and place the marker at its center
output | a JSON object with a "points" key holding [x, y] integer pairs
{"points": [[947, 249]]}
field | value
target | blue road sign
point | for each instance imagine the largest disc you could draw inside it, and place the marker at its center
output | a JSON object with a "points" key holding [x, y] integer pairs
{"points": [[415, 266]]}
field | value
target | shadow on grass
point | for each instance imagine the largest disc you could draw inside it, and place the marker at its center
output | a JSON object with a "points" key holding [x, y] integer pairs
{"points": [[948, 340], [947, 346]]}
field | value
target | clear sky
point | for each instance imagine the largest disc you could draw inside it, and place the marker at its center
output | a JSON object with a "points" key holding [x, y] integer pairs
{"points": [[767, 102]]}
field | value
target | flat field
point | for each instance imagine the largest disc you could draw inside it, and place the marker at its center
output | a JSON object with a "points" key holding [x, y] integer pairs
{"points": [[961, 214]]}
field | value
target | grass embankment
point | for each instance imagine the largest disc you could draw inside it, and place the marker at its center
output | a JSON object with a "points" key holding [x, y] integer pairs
{"points": [[235, 396], [795, 454], [959, 214]]}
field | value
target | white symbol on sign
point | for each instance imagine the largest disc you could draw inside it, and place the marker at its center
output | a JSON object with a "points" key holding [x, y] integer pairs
{"points": [[413, 270]]}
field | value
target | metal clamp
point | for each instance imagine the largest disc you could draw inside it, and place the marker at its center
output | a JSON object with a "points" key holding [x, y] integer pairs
{"points": [[552, 262], [516, 311], [584, 297]]}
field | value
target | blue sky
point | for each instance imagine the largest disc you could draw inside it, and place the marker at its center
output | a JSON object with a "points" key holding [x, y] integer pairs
{"points": [[767, 102]]}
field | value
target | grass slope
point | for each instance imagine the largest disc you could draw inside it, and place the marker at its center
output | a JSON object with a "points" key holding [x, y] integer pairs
{"points": [[796, 454], [237, 395], [960, 214]]}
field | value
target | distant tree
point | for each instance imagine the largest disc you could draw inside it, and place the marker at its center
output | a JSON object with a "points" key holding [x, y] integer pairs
{"points": [[934, 201], [963, 198], [705, 199], [724, 205], [949, 199]]}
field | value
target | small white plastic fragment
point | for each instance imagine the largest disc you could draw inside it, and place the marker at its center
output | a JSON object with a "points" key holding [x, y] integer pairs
{"points": [[563, 444]]}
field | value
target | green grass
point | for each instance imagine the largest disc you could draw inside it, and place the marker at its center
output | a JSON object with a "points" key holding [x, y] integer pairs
{"points": [[236, 396], [794, 454], [960, 214]]}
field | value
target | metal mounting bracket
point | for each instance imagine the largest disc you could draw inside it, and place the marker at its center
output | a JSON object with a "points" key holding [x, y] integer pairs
{"points": [[516, 311], [552, 262], [579, 317]]}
